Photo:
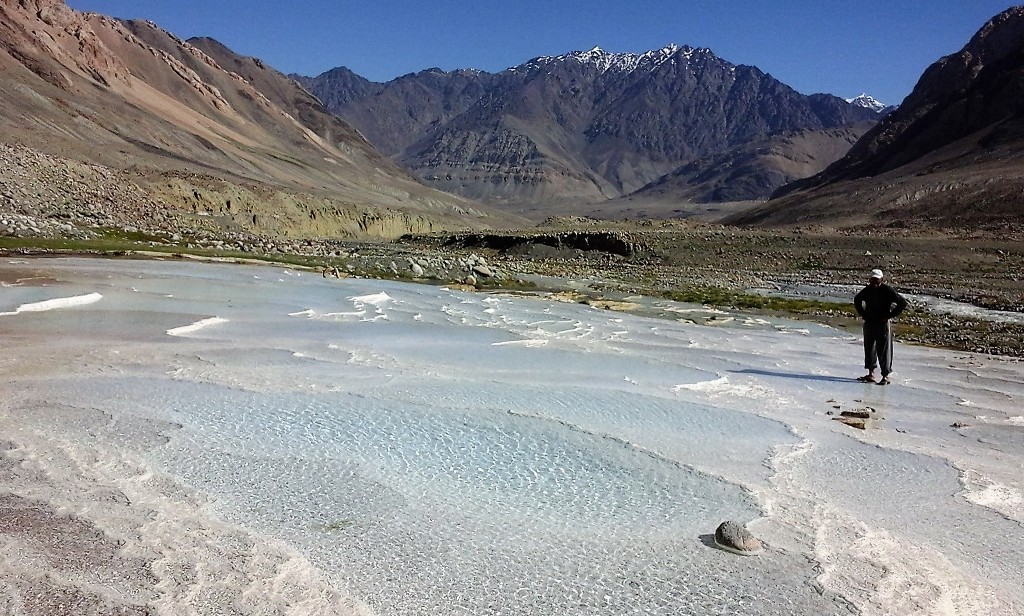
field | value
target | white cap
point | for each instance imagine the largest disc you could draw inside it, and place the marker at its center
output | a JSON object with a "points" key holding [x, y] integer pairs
{"points": [[876, 273]]}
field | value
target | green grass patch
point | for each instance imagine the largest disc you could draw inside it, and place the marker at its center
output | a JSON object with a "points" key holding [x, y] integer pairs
{"points": [[727, 298], [904, 329], [73, 245], [119, 243], [510, 284], [107, 240], [115, 235]]}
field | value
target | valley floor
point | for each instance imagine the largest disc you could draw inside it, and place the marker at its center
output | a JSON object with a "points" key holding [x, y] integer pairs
{"points": [[966, 291]]}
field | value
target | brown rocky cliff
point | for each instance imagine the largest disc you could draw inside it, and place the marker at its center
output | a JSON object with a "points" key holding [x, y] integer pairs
{"points": [[52, 40]]}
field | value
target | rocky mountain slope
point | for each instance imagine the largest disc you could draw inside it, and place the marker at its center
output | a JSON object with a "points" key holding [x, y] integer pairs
{"points": [[199, 130], [754, 170], [582, 127], [952, 154]]}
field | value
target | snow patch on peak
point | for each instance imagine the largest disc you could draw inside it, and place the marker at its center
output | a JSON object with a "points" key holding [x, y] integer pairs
{"points": [[606, 61], [868, 102]]}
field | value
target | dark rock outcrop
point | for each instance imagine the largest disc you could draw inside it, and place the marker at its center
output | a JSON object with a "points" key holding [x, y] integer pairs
{"points": [[618, 243]]}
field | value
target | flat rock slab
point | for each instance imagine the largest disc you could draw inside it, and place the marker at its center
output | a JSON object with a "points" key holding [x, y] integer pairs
{"points": [[858, 414], [853, 422]]}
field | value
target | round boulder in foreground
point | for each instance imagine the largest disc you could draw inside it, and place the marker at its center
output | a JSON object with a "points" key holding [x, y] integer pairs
{"points": [[734, 537]]}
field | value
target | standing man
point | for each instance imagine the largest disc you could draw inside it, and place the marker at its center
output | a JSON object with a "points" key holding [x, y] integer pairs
{"points": [[876, 304]]}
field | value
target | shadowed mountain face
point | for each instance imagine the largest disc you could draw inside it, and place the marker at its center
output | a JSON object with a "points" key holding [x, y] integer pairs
{"points": [[754, 170], [195, 122], [951, 155], [584, 127]]}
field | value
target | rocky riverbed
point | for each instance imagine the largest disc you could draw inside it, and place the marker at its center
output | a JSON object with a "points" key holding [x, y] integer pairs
{"points": [[50, 205], [610, 280]]}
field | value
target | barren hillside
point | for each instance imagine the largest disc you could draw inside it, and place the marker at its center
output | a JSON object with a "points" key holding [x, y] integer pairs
{"points": [[241, 143]]}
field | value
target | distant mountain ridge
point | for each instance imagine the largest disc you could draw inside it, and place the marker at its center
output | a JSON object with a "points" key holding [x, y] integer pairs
{"points": [[583, 126], [227, 140], [609, 61]]}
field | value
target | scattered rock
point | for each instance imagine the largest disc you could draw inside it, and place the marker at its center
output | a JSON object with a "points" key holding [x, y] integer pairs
{"points": [[607, 304], [568, 297], [483, 270], [734, 537], [959, 424], [853, 422], [858, 414]]}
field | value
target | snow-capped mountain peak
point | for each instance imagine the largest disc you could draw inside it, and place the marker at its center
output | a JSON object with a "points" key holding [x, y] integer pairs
{"points": [[868, 102], [606, 61]]}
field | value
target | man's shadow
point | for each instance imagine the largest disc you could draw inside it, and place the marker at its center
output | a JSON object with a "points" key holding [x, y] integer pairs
{"points": [[796, 375]]}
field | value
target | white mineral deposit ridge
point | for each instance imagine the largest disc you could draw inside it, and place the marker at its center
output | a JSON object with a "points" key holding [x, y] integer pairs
{"points": [[194, 327], [55, 304], [375, 447]]}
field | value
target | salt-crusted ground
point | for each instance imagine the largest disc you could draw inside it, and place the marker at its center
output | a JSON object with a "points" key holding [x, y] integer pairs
{"points": [[215, 439]]}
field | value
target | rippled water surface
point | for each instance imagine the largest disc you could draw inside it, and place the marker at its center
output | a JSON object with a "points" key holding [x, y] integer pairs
{"points": [[444, 452]]}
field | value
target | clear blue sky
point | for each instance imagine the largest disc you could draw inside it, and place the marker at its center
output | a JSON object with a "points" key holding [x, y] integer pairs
{"points": [[843, 47]]}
